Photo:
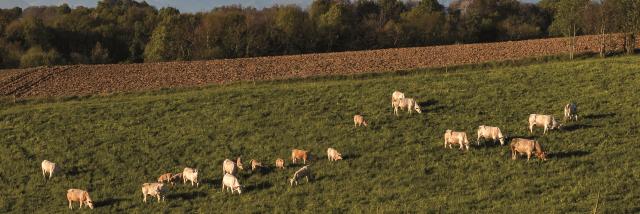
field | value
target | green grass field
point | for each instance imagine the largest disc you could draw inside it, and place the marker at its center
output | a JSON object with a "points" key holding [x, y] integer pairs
{"points": [[111, 145]]}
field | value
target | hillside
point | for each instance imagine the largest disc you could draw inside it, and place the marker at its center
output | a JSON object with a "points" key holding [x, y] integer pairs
{"points": [[100, 79], [110, 145]]}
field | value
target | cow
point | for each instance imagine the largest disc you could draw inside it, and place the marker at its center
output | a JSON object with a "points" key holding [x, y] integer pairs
{"points": [[408, 103], [157, 190], [48, 167], [490, 132], [396, 96], [191, 175], [280, 163], [230, 182], [299, 154], [228, 167], [358, 120], [167, 177], [302, 172], [452, 137], [333, 154], [546, 121], [255, 165], [79, 196], [239, 164], [526, 146], [570, 112]]}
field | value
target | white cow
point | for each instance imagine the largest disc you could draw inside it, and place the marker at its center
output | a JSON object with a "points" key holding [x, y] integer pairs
{"points": [[333, 154], [302, 172], [157, 190], [396, 96], [230, 182], [490, 132], [571, 112], [546, 121], [79, 196], [451, 137], [191, 175], [228, 166], [408, 103], [48, 167]]}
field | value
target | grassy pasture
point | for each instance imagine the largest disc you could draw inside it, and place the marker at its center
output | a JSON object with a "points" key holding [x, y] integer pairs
{"points": [[111, 145]]}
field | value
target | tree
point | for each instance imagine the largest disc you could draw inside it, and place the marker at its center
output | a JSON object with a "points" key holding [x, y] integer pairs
{"points": [[423, 23], [99, 55], [568, 20]]}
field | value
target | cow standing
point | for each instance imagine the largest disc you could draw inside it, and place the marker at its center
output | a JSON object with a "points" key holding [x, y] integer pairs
{"points": [[191, 175], [452, 137], [408, 103], [546, 121], [299, 154], [230, 182], [490, 132], [570, 112], [526, 146], [157, 190], [79, 196], [333, 154], [48, 167], [302, 172], [280, 163], [228, 167], [358, 120]]}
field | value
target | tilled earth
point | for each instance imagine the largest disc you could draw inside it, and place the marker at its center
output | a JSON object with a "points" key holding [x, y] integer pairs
{"points": [[96, 79]]}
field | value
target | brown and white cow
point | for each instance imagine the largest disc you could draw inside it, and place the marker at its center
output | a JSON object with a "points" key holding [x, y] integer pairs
{"points": [[333, 154], [157, 190], [358, 120], [490, 132], [255, 164], [408, 103], [280, 163], [230, 182], [167, 177], [79, 196], [571, 112], [302, 172], [526, 146], [297, 154], [452, 137], [228, 167], [395, 97], [546, 121], [191, 175], [239, 164], [48, 167]]}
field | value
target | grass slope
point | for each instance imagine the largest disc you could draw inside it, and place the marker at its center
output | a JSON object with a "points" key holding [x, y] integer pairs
{"points": [[111, 145]]}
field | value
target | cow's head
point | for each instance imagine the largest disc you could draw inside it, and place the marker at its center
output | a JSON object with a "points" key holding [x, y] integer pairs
{"points": [[338, 156], [555, 124], [291, 181], [417, 108], [364, 122], [89, 203], [542, 156], [238, 188]]}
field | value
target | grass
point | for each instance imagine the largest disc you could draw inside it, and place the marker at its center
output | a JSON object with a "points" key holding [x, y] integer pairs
{"points": [[111, 145]]}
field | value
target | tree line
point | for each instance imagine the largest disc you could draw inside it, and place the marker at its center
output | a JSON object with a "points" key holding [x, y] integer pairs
{"points": [[127, 31]]}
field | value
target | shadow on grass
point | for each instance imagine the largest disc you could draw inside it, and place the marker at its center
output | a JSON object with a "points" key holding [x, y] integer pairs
{"points": [[428, 103], [259, 186], [568, 154], [187, 195], [213, 182], [600, 116], [574, 127], [109, 202]]}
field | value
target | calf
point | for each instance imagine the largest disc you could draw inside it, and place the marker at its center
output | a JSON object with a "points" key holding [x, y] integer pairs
{"points": [[490, 132], [167, 177], [302, 172], [333, 154], [451, 137], [157, 190], [299, 154], [571, 112], [48, 167], [546, 121], [280, 163], [230, 182], [229, 167], [79, 196], [191, 175], [358, 120], [255, 165]]}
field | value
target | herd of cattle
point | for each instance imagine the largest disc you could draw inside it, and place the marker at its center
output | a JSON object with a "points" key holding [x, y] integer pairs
{"points": [[398, 101]]}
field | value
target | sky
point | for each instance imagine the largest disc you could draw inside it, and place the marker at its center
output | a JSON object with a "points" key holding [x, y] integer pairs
{"points": [[189, 6]]}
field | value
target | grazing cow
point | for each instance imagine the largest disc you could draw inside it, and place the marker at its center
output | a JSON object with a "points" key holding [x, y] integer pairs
{"points": [[358, 120], [408, 103], [255, 165], [79, 196], [228, 166], [280, 163], [48, 167], [167, 177], [239, 164], [157, 190], [451, 137], [396, 96], [571, 112], [490, 132], [546, 121], [526, 146], [230, 182], [191, 175], [302, 172], [299, 154], [333, 154]]}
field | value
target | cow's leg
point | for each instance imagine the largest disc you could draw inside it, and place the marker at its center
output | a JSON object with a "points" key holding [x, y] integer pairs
{"points": [[144, 198], [545, 130], [43, 174], [513, 155], [81, 204], [530, 128], [70, 206], [158, 197], [528, 156], [223, 187]]}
